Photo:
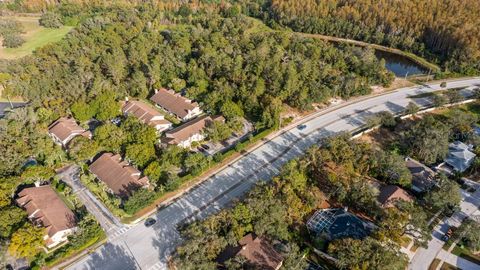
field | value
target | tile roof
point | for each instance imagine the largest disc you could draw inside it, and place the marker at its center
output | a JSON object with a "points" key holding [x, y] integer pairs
{"points": [[173, 102], [259, 252], [65, 127], [118, 175], [144, 112], [389, 194], [52, 212]]}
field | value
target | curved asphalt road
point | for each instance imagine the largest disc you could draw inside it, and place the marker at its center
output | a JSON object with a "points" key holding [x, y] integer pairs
{"points": [[148, 248]]}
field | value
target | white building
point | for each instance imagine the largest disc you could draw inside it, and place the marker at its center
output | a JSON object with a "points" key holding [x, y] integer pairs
{"points": [[146, 114]]}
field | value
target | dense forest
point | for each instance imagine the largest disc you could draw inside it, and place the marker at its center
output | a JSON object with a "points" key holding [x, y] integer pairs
{"points": [[213, 59], [443, 31], [220, 62], [446, 32]]}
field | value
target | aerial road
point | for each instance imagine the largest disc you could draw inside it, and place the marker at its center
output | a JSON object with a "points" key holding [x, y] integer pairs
{"points": [[147, 248]]}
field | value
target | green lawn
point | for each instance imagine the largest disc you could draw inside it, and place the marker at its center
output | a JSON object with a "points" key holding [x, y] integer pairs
{"points": [[35, 36], [465, 253]]}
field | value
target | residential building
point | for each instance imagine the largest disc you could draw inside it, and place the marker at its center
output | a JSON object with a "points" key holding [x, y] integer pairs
{"points": [[423, 178], [146, 114], [120, 177], [65, 129], [176, 104], [337, 223], [192, 131], [390, 194], [459, 156], [257, 251], [46, 209]]}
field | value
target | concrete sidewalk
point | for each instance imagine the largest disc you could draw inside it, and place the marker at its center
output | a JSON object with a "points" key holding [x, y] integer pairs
{"points": [[109, 222], [457, 261]]}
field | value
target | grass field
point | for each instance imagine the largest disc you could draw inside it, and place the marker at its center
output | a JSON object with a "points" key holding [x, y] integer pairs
{"points": [[35, 36]]}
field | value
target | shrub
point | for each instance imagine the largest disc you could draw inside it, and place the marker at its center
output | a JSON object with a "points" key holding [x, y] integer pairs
{"points": [[138, 200], [12, 41], [9, 27], [51, 20]]}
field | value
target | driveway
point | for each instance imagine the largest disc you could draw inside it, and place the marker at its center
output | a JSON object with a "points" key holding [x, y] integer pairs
{"points": [[457, 261], [110, 224], [149, 248], [468, 208], [6, 106]]}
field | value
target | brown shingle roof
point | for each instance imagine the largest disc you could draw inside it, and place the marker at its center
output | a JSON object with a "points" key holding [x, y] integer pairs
{"points": [[259, 252], [52, 213], [423, 177], [390, 194], [173, 102], [144, 112], [65, 127], [185, 131], [120, 177]]}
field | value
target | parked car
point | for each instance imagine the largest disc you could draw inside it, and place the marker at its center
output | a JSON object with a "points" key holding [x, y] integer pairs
{"points": [[149, 222], [301, 127], [206, 147], [448, 234]]}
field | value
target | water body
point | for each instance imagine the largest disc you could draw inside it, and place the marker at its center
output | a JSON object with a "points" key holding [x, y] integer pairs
{"points": [[400, 65]]}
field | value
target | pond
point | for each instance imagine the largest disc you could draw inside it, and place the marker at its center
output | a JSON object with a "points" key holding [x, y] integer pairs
{"points": [[400, 65]]}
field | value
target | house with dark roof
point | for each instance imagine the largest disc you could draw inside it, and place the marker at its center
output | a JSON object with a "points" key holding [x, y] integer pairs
{"points": [[176, 104], [459, 156], [120, 177], [65, 129], [257, 251], [338, 223], [146, 114], [192, 131], [423, 178], [389, 195], [46, 209]]}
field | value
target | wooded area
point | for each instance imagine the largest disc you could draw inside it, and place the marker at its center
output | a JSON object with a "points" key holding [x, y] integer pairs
{"points": [[216, 55], [447, 32], [343, 172], [221, 62]]}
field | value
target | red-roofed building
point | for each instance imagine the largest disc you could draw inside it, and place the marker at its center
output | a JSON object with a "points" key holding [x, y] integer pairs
{"points": [[176, 104], [121, 178], [46, 209], [391, 194], [146, 114], [257, 251], [65, 129], [192, 131]]}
